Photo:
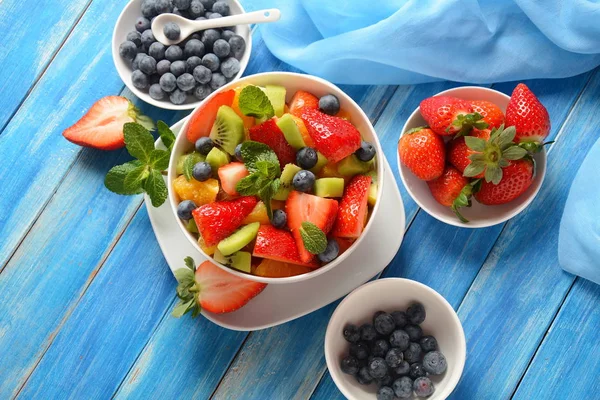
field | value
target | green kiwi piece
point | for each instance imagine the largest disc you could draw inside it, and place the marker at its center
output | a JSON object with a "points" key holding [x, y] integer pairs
{"points": [[372, 199], [290, 131], [191, 226], [276, 95], [285, 181], [351, 166], [197, 158], [228, 129], [321, 162], [329, 187], [240, 260], [238, 239], [217, 158]]}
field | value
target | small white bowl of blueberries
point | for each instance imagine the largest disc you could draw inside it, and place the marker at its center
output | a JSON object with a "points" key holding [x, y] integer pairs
{"points": [[179, 77], [395, 339]]}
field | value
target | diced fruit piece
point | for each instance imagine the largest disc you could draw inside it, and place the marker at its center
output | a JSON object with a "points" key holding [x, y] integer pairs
{"points": [[447, 115], [329, 187], [285, 181], [492, 114], [344, 114], [452, 189], [209, 250], [191, 226], [230, 175], [351, 166], [334, 137], [353, 208], [303, 207], [277, 269], [258, 214], [217, 158], [330, 170], [220, 219], [423, 153], [528, 115], [303, 101], [228, 129], [204, 117], [242, 260], [199, 192], [373, 189], [516, 179], [303, 131], [321, 162], [344, 244], [248, 121], [331, 251], [276, 95], [197, 158], [291, 132], [279, 245], [269, 133], [238, 239], [278, 204]]}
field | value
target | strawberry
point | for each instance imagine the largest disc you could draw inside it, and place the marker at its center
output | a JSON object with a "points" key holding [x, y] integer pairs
{"points": [[528, 115], [458, 151], [353, 208], [303, 207], [218, 220], [491, 113], [516, 178], [102, 126], [230, 174], [204, 116], [212, 289], [333, 137], [448, 115], [452, 190], [269, 133], [279, 245], [303, 100], [423, 152]]}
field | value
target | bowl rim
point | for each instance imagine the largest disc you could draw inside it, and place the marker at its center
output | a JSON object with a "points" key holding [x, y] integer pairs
{"points": [[402, 171], [332, 364], [380, 178], [145, 96]]}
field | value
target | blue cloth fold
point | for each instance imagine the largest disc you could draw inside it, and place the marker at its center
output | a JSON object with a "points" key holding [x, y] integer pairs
{"points": [[415, 41]]}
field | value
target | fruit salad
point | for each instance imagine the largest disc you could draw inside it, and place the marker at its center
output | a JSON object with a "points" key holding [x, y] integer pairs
{"points": [[274, 189]]}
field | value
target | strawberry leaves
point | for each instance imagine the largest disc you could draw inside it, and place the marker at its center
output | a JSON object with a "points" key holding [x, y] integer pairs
{"points": [[187, 290], [466, 123]]}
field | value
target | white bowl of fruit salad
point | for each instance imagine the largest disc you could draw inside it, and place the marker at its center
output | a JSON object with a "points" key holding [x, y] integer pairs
{"points": [[275, 177]]}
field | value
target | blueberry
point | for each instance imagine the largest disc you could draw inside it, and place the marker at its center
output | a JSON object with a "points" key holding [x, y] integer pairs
{"points": [[168, 82], [196, 9], [163, 66], [400, 318], [423, 387], [128, 50], [221, 48], [191, 63], [195, 36], [394, 357], [148, 65], [139, 79], [186, 82], [214, 15], [202, 171], [204, 145], [359, 350], [400, 339], [238, 153], [306, 157], [237, 45], [207, 14], [416, 370], [135, 37], [147, 8], [185, 208], [202, 18], [402, 369], [279, 221], [329, 104], [331, 251], [174, 53], [351, 332], [380, 347], [384, 323], [148, 38], [226, 35], [211, 62], [194, 47], [177, 96], [403, 387], [303, 181], [156, 92], [377, 367], [209, 37], [414, 332], [163, 6], [202, 91], [157, 51], [349, 365], [202, 74], [385, 381], [367, 332], [178, 68], [182, 4], [141, 24], [221, 7], [413, 353], [416, 311], [364, 377], [172, 31], [230, 67], [208, 4], [435, 363], [217, 80], [385, 393], [177, 11], [365, 152], [152, 79], [135, 64], [428, 343]]}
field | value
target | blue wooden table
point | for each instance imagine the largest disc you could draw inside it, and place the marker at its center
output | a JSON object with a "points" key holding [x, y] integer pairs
{"points": [[85, 293]]}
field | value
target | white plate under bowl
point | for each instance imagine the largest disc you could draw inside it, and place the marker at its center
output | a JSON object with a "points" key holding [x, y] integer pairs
{"points": [[281, 303]]}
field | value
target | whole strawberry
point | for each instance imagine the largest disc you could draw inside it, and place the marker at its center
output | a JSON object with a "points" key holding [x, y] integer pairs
{"points": [[491, 113], [516, 179], [529, 117], [423, 152], [458, 151], [448, 116], [452, 190]]}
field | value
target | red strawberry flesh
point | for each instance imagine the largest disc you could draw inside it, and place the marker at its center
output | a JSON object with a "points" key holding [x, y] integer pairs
{"points": [[279, 245], [204, 117], [303, 100], [269, 133], [353, 208], [230, 175]]}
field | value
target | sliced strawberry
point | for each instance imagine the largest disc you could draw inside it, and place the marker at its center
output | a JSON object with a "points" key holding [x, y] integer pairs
{"points": [[102, 126], [204, 116], [279, 245], [303, 100], [230, 175], [334, 137], [269, 133], [218, 220], [353, 208], [303, 207]]}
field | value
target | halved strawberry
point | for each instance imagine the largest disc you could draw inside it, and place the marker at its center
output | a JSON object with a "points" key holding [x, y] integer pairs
{"points": [[303, 100], [220, 219], [303, 207], [204, 116], [334, 137], [102, 126], [269, 133], [353, 208], [279, 245], [230, 175]]}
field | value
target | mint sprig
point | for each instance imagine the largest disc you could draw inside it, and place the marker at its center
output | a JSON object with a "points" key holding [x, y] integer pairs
{"points": [[313, 237], [254, 102]]}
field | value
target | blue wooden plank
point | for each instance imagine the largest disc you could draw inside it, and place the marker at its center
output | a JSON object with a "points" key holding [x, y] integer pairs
{"points": [[567, 363]]}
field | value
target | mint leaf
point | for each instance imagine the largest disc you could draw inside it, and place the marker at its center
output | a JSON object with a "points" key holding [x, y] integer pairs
{"points": [[159, 159], [247, 186], [255, 152], [166, 135], [188, 165], [138, 141], [313, 238], [156, 188], [255, 103], [135, 178], [115, 178]]}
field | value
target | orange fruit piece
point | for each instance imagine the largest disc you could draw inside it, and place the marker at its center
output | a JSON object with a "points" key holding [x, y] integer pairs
{"points": [[277, 269], [248, 121], [258, 214], [303, 131], [344, 115], [208, 250], [199, 192]]}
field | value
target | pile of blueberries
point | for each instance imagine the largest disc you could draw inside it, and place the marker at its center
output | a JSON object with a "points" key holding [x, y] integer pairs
{"points": [[197, 66], [394, 353]]}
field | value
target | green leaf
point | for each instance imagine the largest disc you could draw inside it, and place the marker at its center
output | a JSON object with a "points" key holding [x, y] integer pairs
{"points": [[506, 136], [264, 167], [115, 178], [254, 152], [503, 163], [514, 153], [493, 174], [156, 188], [138, 141], [188, 166], [247, 186], [189, 262], [415, 130], [146, 122], [159, 159], [166, 135], [266, 193], [184, 276], [313, 238], [135, 178], [255, 103], [183, 307], [474, 169], [474, 143]]}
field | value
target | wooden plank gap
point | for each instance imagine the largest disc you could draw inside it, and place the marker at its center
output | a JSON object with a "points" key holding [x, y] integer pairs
{"points": [[233, 360]]}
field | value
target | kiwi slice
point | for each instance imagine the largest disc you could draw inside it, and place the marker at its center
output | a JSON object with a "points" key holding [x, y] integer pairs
{"points": [[217, 158], [321, 162], [285, 181], [240, 260], [329, 187], [191, 226], [197, 158], [351, 166], [228, 129], [372, 199], [276, 95], [290, 131], [238, 239]]}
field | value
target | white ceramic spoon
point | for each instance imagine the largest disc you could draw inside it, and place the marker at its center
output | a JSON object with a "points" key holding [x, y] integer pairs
{"points": [[188, 26]]}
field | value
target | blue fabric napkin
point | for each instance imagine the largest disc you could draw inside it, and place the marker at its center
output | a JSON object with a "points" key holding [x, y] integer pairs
{"points": [[415, 41], [579, 234]]}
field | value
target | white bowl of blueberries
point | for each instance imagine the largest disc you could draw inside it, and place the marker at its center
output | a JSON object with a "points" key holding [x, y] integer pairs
{"points": [[179, 77], [395, 339]]}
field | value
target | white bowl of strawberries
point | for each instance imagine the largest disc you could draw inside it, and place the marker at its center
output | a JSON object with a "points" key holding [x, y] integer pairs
{"points": [[473, 157]]}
